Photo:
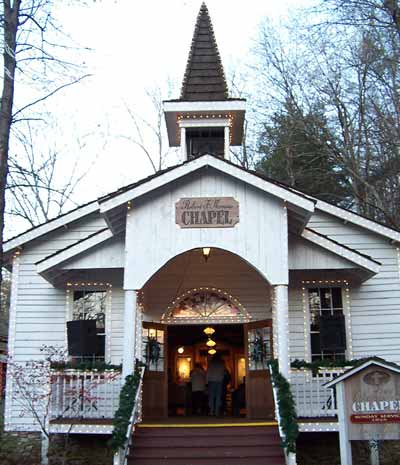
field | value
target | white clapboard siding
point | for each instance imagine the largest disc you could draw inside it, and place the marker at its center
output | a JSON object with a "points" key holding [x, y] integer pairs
{"points": [[153, 237], [40, 308], [296, 325], [117, 325], [375, 305]]}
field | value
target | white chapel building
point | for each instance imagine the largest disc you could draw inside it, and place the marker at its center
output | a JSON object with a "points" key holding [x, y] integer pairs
{"points": [[141, 273]]}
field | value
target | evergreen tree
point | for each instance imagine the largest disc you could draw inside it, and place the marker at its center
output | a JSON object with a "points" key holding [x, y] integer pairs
{"points": [[294, 149]]}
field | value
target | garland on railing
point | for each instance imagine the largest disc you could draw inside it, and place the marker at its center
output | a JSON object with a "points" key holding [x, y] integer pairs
{"points": [[124, 412], [287, 408], [325, 363], [85, 365]]}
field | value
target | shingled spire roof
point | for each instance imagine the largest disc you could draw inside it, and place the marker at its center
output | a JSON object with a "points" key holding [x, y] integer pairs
{"points": [[204, 78]]}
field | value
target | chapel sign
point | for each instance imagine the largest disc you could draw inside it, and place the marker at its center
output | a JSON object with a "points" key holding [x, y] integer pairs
{"points": [[373, 404], [207, 212]]}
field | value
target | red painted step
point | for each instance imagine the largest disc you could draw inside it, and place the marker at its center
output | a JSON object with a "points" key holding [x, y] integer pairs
{"points": [[233, 445]]}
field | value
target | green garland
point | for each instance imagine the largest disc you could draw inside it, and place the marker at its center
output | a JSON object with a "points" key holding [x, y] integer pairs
{"points": [[287, 408], [325, 363], [88, 365], [124, 412]]}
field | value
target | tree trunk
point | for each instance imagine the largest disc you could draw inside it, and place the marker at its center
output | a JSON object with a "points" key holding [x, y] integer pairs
{"points": [[11, 17]]}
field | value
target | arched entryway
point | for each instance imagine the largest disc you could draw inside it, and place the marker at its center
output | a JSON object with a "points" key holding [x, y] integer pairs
{"points": [[184, 297]]}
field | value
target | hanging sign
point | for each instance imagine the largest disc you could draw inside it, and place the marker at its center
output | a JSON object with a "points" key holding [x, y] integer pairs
{"points": [[207, 212], [373, 404]]}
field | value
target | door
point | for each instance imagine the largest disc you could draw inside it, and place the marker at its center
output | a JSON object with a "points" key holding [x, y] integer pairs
{"points": [[258, 351], [155, 403]]}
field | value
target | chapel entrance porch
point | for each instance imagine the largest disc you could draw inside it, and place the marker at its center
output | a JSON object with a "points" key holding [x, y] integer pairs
{"points": [[246, 389]]}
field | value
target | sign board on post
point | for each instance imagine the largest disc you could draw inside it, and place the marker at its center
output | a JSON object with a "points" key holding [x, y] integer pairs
{"points": [[368, 398], [373, 404], [207, 212]]}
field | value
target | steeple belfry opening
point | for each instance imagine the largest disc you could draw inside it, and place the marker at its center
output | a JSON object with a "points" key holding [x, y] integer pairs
{"points": [[204, 120]]}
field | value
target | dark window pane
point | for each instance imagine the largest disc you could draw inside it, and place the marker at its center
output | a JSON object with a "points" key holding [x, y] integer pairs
{"points": [[325, 297], [315, 344], [337, 297]]}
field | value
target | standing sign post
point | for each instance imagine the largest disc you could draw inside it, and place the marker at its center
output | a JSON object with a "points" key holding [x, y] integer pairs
{"points": [[368, 398]]}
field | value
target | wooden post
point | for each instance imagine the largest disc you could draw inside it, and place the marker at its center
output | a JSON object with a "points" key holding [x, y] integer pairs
{"points": [[345, 444], [374, 452], [183, 144], [226, 142], [282, 322], [128, 359]]}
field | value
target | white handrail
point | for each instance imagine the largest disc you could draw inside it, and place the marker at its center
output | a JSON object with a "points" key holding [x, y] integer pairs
{"points": [[121, 457]]}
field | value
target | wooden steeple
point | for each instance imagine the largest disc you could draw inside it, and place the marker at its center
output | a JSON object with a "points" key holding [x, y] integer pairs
{"points": [[204, 120], [204, 78]]}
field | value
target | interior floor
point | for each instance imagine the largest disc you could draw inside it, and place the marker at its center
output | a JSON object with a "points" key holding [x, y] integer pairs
{"points": [[187, 348]]}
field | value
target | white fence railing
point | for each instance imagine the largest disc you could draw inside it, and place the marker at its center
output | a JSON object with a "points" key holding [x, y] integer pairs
{"points": [[312, 398], [84, 394]]}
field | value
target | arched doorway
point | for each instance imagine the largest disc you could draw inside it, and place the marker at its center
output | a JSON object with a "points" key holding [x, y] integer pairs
{"points": [[242, 325]]}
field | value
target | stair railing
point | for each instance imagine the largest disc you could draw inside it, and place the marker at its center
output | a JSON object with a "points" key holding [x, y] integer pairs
{"points": [[121, 457], [290, 456]]}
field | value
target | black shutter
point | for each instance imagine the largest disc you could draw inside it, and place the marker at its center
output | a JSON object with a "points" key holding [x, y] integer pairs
{"points": [[333, 332], [82, 338]]}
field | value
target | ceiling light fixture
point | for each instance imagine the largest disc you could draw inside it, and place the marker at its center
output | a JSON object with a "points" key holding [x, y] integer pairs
{"points": [[206, 252], [209, 331]]}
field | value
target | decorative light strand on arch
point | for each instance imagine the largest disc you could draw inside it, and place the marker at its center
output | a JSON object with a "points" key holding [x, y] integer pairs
{"points": [[244, 317]]}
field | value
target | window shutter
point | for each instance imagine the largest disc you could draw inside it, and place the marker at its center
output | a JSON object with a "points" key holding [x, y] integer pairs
{"points": [[333, 332]]}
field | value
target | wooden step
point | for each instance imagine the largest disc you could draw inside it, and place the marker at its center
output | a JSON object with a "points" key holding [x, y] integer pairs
{"points": [[198, 441], [206, 451], [236, 444], [199, 461]]}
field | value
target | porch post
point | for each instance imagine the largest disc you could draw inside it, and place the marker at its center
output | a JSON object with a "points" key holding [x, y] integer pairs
{"points": [[282, 323], [226, 142], [128, 358]]}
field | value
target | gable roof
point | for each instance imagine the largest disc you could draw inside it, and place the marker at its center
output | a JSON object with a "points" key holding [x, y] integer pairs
{"points": [[363, 364], [50, 225], [360, 259], [169, 175], [204, 79], [300, 204]]}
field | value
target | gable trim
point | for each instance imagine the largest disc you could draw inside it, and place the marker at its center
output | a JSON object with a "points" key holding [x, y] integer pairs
{"points": [[50, 226], [352, 371], [298, 201], [339, 249], [71, 251], [359, 220]]}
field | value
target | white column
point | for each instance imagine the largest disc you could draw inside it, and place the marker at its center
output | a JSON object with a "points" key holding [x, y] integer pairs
{"points": [[183, 144], [128, 359], [226, 142], [282, 322], [344, 443]]}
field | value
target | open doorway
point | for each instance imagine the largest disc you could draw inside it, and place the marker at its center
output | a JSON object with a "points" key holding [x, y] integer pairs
{"points": [[188, 351]]}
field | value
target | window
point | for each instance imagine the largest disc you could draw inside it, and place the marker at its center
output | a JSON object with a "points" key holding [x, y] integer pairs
{"points": [[327, 323], [153, 348], [91, 305], [200, 141]]}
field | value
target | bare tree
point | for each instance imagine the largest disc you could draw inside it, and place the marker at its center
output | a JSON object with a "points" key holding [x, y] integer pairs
{"points": [[34, 51], [352, 75], [149, 133]]}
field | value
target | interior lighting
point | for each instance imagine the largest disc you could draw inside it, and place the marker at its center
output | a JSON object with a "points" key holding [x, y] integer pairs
{"points": [[211, 343], [206, 252], [209, 331], [212, 351], [181, 350]]}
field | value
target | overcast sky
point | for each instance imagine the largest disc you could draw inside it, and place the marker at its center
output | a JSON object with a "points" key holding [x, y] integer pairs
{"points": [[137, 45]]}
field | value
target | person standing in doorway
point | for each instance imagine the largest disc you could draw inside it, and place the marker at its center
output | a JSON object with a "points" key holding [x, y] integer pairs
{"points": [[198, 382], [215, 378]]}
